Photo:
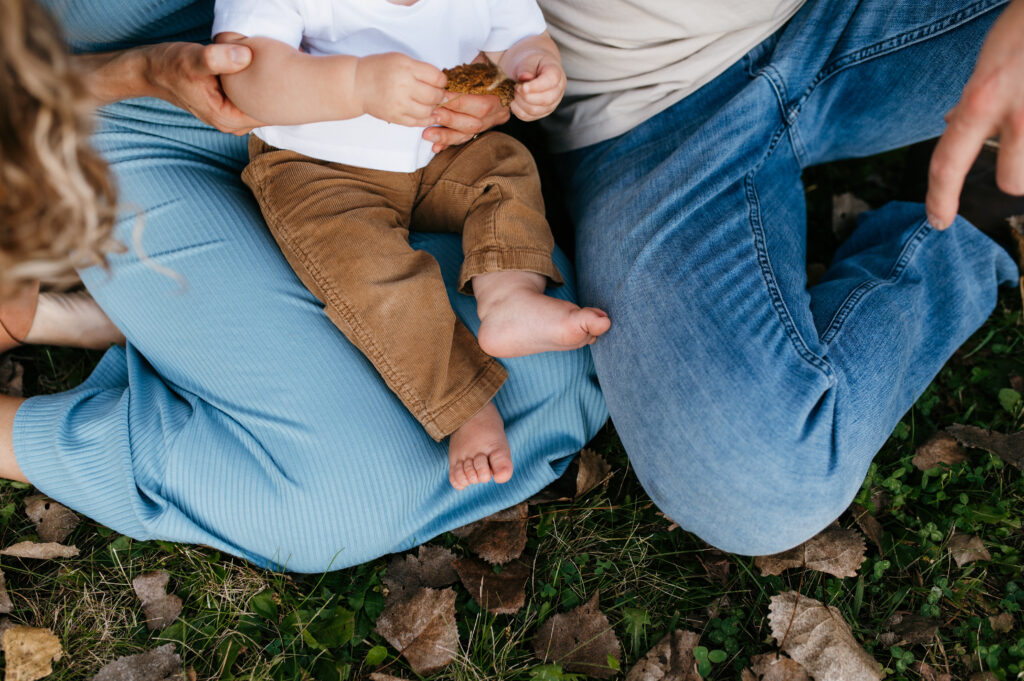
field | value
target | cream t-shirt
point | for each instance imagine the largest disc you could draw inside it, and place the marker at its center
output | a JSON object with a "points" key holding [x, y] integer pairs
{"points": [[444, 33], [628, 60]]}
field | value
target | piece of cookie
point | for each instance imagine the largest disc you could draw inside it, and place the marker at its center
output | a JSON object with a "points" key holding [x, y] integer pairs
{"points": [[481, 79]]}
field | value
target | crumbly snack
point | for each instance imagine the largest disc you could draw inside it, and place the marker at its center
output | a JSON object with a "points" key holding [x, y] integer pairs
{"points": [[481, 79]]}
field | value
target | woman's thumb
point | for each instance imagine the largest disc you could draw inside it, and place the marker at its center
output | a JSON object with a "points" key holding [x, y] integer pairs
{"points": [[225, 59]]}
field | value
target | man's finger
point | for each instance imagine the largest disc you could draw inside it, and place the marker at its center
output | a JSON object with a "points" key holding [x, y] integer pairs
{"points": [[445, 137], [460, 122], [224, 59], [476, 106], [952, 158]]}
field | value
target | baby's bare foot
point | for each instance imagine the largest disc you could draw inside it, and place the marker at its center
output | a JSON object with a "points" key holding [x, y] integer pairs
{"points": [[517, 319], [478, 450]]}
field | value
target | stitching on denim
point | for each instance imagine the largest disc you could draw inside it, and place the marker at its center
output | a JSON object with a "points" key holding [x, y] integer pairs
{"points": [[857, 294], [774, 78], [896, 42], [768, 275]]}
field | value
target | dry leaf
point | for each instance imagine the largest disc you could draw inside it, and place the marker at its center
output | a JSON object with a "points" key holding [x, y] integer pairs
{"points": [[834, 550], [967, 549], [12, 377], [774, 667], [159, 664], [1002, 623], [497, 538], [942, 448], [377, 676], [593, 471], [5, 599], [845, 209], [29, 653], [817, 637], [160, 607], [868, 524], [716, 564], [670, 660], [910, 629], [41, 551], [406, 574], [928, 673], [422, 629], [580, 640], [53, 521], [983, 676], [1009, 448], [503, 593]]}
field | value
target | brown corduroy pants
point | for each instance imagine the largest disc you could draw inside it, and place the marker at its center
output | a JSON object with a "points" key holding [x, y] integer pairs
{"points": [[345, 232]]}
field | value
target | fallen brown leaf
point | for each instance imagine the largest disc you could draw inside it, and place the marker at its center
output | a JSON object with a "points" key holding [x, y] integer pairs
{"points": [[868, 524], [12, 377], [432, 566], [967, 549], [422, 629], [5, 599], [503, 593], [497, 538], [160, 607], [377, 676], [716, 564], [30, 653], [53, 521], [911, 629], [1002, 623], [1009, 448], [581, 640], [928, 673], [942, 448], [671, 659], [40, 551], [834, 550], [845, 209], [158, 664], [593, 471], [774, 667], [816, 636]]}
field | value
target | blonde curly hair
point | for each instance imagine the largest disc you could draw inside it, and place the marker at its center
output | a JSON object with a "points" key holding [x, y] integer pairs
{"points": [[57, 201]]}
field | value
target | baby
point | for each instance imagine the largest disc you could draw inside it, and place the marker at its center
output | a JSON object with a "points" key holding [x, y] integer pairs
{"points": [[340, 195]]}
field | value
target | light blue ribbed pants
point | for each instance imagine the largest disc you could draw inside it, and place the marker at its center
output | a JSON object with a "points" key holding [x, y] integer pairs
{"points": [[238, 416]]}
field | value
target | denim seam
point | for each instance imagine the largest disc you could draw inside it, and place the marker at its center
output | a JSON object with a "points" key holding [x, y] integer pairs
{"points": [[774, 78], [768, 275], [857, 294], [888, 45]]}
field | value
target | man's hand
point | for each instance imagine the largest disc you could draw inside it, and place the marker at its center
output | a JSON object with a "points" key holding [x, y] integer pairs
{"points": [[540, 85], [186, 75], [398, 89], [463, 116], [992, 104]]}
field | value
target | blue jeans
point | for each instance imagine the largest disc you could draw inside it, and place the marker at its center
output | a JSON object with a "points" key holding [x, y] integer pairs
{"points": [[751, 404]]}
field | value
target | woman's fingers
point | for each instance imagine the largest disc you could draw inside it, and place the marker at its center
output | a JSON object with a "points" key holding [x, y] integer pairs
{"points": [[952, 158], [223, 58]]}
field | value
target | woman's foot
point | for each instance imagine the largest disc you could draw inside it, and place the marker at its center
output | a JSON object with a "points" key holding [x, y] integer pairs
{"points": [[16, 317], [479, 451], [72, 320], [517, 319]]}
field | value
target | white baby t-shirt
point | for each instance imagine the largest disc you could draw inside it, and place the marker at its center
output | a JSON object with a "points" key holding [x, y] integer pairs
{"points": [[444, 33]]}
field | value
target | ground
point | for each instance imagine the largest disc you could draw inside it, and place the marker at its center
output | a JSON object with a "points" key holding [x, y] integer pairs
{"points": [[242, 622]]}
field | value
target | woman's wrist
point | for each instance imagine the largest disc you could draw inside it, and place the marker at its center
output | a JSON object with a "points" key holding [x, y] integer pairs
{"points": [[112, 76]]}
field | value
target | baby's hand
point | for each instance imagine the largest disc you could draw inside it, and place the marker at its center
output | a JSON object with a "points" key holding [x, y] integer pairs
{"points": [[540, 85], [398, 89]]}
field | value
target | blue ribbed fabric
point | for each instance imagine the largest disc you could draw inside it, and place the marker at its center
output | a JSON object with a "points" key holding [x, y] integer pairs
{"points": [[238, 416]]}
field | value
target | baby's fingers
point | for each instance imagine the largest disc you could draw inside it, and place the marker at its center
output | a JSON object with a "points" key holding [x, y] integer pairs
{"points": [[549, 79]]}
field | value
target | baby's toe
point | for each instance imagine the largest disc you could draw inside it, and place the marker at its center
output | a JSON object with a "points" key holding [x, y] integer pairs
{"points": [[470, 470], [501, 466], [457, 476], [482, 466]]}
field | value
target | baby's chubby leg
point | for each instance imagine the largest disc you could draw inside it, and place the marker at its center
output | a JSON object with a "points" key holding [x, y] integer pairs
{"points": [[479, 450], [517, 319]]}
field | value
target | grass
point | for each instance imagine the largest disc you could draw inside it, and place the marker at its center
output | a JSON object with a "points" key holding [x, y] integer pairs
{"points": [[245, 623]]}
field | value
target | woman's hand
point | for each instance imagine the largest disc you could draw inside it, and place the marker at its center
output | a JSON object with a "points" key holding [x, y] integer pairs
{"points": [[992, 104], [186, 75], [462, 117]]}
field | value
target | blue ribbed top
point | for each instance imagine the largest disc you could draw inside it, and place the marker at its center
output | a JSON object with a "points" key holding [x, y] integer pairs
{"points": [[101, 25]]}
